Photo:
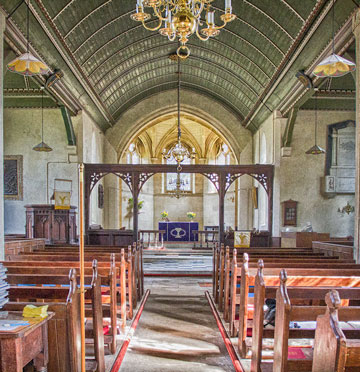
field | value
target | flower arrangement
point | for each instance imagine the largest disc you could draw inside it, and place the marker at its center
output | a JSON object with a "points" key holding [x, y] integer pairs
{"points": [[164, 215], [191, 215]]}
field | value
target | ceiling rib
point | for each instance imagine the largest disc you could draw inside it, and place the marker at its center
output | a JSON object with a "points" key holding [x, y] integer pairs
{"points": [[77, 71], [286, 63], [270, 18], [86, 17], [133, 29], [137, 66], [122, 50], [293, 10], [171, 74], [172, 87]]}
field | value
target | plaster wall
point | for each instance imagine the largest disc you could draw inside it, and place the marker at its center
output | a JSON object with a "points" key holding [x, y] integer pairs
{"points": [[301, 176], [22, 131]]}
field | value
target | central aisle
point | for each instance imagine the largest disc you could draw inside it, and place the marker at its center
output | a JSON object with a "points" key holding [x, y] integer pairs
{"points": [[177, 331]]}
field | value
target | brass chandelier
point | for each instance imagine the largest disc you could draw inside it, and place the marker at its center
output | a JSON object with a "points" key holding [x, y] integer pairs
{"points": [[178, 152], [182, 18]]}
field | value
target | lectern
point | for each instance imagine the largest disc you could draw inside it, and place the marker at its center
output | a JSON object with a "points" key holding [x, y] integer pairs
{"points": [[57, 226]]}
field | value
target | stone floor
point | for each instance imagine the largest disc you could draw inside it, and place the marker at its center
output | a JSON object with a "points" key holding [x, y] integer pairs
{"points": [[177, 330]]}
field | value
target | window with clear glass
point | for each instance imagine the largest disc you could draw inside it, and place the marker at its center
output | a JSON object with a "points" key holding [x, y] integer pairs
{"points": [[185, 178], [132, 156]]}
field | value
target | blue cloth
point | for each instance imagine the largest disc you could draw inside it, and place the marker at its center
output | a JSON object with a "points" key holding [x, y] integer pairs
{"points": [[179, 231]]}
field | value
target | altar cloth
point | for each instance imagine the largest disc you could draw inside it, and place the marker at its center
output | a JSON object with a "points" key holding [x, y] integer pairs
{"points": [[179, 231]]}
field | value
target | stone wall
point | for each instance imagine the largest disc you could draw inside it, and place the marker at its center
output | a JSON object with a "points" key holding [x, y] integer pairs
{"points": [[299, 176], [22, 131]]}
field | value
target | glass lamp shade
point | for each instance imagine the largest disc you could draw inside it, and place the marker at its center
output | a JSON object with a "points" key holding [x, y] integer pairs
{"points": [[334, 66], [315, 150], [42, 147], [28, 65]]}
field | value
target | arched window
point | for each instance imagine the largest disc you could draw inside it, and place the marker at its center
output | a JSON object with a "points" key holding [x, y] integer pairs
{"points": [[133, 156], [223, 156]]}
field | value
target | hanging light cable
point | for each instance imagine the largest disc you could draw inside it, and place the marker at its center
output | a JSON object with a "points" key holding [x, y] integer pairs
{"points": [[334, 65], [27, 64], [42, 146], [316, 149], [178, 152]]}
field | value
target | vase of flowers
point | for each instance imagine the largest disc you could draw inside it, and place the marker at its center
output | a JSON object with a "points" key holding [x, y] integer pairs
{"points": [[191, 215], [164, 215]]}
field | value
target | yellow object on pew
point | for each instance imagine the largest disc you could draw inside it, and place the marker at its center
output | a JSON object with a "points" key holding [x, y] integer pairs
{"points": [[31, 311]]}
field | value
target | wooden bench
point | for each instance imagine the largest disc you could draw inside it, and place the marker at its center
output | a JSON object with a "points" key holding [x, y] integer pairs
{"points": [[133, 285], [333, 351], [224, 284], [222, 263], [64, 327], [286, 311], [17, 276]]}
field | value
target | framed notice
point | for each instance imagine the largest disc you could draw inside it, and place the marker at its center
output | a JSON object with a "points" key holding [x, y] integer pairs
{"points": [[242, 239], [13, 177], [62, 199]]}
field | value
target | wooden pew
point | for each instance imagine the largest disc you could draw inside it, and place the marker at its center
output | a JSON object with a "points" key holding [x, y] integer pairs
{"points": [[263, 291], [222, 263], [286, 312], [279, 262], [333, 351], [64, 328], [131, 281], [17, 276]]}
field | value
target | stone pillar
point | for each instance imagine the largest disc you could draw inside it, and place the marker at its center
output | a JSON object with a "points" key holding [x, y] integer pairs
{"points": [[2, 29], [278, 124], [356, 31]]}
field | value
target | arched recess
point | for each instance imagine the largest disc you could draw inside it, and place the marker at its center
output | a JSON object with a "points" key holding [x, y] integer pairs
{"points": [[210, 112]]}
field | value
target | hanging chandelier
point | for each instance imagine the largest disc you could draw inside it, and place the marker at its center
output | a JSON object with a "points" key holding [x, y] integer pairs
{"points": [[182, 18], [179, 191], [27, 64], [42, 146], [334, 65], [179, 152]]}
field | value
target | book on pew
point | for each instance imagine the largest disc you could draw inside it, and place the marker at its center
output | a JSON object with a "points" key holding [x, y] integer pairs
{"points": [[4, 286]]}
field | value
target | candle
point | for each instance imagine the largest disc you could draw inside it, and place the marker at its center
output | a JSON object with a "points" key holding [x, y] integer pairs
{"points": [[227, 4], [210, 18], [139, 3], [168, 16]]}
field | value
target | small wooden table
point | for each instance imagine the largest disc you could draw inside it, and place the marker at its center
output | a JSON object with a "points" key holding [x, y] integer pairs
{"points": [[27, 343]]}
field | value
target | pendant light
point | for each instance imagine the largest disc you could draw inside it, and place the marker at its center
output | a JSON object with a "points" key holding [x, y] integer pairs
{"points": [[27, 64], [334, 65], [178, 152], [316, 149], [42, 146]]}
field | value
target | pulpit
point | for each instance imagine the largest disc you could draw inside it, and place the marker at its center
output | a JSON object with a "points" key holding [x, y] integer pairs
{"points": [[57, 226], [179, 231]]}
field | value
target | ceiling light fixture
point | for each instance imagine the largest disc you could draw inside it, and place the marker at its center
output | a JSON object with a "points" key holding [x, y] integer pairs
{"points": [[27, 64], [178, 152], [42, 146], [182, 18], [334, 65], [316, 149]]}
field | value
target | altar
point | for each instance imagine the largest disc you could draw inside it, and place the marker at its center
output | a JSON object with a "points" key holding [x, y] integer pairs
{"points": [[179, 231]]}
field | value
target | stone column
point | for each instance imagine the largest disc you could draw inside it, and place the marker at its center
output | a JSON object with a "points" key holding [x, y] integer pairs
{"points": [[2, 29], [356, 31], [279, 123]]}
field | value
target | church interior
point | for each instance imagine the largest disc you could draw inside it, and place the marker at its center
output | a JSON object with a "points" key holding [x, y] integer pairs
{"points": [[180, 185]]}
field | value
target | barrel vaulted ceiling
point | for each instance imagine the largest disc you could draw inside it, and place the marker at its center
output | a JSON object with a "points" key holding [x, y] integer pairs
{"points": [[112, 62]]}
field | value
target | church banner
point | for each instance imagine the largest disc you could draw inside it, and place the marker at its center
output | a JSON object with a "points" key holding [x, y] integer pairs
{"points": [[242, 239], [62, 199]]}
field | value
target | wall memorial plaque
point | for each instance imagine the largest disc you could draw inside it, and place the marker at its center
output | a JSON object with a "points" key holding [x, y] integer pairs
{"points": [[13, 177]]}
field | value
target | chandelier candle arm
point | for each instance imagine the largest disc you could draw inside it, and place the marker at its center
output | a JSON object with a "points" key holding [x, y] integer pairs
{"points": [[182, 19]]}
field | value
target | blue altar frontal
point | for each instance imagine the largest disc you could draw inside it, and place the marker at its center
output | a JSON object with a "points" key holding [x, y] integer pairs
{"points": [[179, 231]]}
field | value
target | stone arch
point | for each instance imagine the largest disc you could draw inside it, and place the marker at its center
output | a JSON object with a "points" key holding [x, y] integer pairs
{"points": [[209, 111]]}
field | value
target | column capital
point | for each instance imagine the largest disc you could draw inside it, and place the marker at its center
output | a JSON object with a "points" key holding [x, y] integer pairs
{"points": [[356, 23]]}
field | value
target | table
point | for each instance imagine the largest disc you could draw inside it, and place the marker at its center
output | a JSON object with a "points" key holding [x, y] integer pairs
{"points": [[179, 231], [27, 343]]}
